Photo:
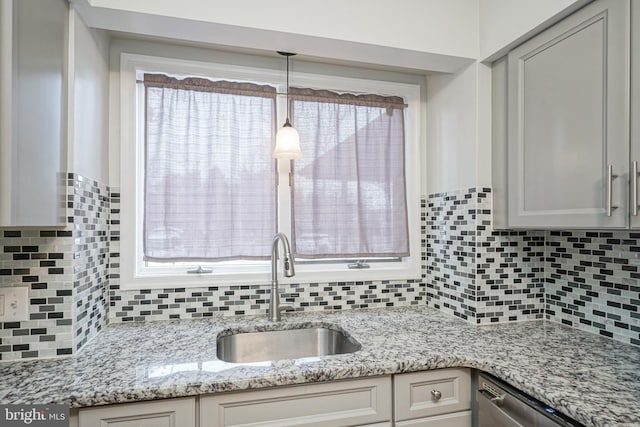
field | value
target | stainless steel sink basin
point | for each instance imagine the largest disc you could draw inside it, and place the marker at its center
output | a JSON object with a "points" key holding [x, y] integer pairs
{"points": [[248, 347]]}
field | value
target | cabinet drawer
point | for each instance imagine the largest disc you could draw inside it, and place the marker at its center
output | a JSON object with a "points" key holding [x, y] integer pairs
{"points": [[343, 403], [163, 413], [415, 394], [458, 419]]}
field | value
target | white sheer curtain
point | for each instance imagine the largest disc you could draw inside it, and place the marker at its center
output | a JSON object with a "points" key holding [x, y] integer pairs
{"points": [[209, 176], [349, 197]]}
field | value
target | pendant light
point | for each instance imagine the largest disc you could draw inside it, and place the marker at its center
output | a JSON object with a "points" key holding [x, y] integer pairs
{"points": [[287, 138]]}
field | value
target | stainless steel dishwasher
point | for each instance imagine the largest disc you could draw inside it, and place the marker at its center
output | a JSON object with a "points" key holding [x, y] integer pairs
{"points": [[500, 405]]}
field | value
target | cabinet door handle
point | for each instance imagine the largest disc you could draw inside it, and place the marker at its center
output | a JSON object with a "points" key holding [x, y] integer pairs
{"points": [[610, 178], [634, 188]]}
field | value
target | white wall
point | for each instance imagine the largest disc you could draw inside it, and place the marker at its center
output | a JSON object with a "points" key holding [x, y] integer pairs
{"points": [[452, 123], [447, 27], [483, 125], [433, 35], [89, 95], [503, 22]]}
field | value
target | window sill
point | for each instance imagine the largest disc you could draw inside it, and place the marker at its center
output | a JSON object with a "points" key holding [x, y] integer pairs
{"points": [[304, 274]]}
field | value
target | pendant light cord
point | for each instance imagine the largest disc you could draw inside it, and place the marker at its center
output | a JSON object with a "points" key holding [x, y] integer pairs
{"points": [[287, 55], [287, 88]]}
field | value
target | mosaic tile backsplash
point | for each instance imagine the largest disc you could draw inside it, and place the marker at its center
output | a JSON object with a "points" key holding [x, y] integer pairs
{"points": [[592, 282], [588, 280], [66, 272], [43, 261], [477, 274], [90, 224]]}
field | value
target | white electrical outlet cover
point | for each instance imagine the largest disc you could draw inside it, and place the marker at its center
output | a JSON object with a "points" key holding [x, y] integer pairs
{"points": [[15, 304]]}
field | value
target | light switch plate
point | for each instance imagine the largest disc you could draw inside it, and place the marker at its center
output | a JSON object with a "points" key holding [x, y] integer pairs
{"points": [[14, 302]]}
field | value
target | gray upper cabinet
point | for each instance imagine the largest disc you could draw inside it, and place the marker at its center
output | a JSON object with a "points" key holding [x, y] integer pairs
{"points": [[635, 113], [33, 52], [567, 102]]}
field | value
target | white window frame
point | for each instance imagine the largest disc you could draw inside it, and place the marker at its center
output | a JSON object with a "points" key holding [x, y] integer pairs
{"points": [[133, 273]]}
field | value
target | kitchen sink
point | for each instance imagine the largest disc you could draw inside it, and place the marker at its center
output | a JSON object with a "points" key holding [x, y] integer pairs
{"points": [[248, 347]]}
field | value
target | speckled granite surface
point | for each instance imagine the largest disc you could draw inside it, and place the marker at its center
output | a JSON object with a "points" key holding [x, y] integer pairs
{"points": [[592, 379]]}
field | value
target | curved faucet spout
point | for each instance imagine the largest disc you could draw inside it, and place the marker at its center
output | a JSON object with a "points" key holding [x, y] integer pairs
{"points": [[289, 271]]}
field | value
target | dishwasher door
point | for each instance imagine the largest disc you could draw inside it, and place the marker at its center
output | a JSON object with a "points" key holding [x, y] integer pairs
{"points": [[500, 405]]}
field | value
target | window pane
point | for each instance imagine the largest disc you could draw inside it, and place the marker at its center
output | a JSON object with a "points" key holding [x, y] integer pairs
{"points": [[209, 176], [349, 193]]}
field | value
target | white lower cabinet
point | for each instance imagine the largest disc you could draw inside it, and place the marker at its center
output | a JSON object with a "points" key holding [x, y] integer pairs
{"points": [[160, 413], [439, 398], [433, 398], [337, 404]]}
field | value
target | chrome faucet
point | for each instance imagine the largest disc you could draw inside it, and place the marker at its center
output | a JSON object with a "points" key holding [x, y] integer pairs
{"points": [[274, 304]]}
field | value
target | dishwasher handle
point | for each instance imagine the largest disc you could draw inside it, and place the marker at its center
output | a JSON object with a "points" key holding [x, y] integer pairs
{"points": [[497, 400], [490, 413]]}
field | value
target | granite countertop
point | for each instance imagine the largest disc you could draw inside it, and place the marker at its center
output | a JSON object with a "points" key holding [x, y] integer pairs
{"points": [[592, 379]]}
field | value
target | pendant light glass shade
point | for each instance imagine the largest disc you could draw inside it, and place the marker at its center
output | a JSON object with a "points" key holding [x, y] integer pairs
{"points": [[287, 143], [287, 138]]}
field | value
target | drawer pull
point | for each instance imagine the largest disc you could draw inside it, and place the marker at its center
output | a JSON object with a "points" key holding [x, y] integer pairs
{"points": [[436, 395]]}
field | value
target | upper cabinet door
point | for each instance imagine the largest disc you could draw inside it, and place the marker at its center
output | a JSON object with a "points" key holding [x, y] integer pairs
{"points": [[635, 114], [568, 122]]}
